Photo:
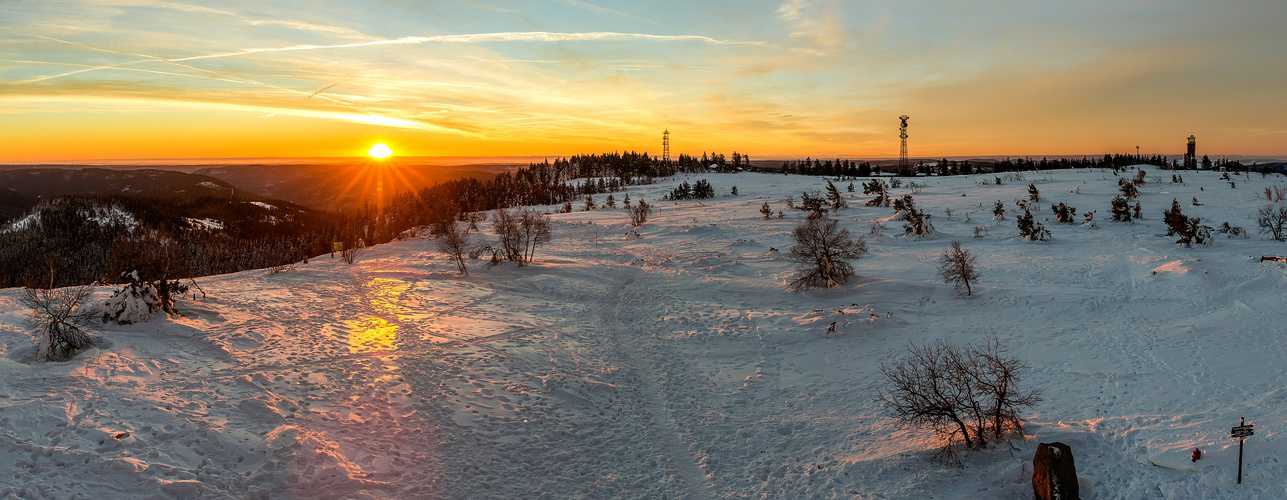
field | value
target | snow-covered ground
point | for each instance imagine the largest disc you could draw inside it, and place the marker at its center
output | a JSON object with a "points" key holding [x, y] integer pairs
{"points": [[677, 366]]}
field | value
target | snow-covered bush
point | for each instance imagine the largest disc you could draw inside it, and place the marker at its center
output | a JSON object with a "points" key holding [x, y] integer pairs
{"points": [[878, 188], [1034, 195], [1189, 229], [1121, 209], [1064, 213], [133, 303], [766, 211], [1031, 229]]}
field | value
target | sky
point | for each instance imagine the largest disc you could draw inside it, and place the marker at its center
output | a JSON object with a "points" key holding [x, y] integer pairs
{"points": [[138, 79]]}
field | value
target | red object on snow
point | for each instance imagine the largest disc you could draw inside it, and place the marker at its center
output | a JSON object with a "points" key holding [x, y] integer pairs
{"points": [[1196, 454]]}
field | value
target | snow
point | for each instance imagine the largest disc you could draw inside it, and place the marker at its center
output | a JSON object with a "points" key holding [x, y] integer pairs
{"points": [[675, 365], [206, 224], [209, 184], [23, 223], [262, 205]]}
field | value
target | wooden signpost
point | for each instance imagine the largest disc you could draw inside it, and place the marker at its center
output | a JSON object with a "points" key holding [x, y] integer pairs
{"points": [[1241, 432]]}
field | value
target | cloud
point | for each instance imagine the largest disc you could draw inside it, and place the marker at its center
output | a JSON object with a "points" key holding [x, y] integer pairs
{"points": [[317, 28], [524, 36], [602, 10]]}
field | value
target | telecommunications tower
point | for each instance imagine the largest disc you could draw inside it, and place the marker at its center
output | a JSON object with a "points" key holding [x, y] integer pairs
{"points": [[902, 151], [1190, 156], [665, 146]]}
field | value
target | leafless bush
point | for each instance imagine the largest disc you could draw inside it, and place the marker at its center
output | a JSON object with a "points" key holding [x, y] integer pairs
{"points": [[520, 232], [57, 315], [821, 252], [956, 267], [1273, 220], [453, 242], [639, 213], [350, 253], [1280, 192], [968, 393]]}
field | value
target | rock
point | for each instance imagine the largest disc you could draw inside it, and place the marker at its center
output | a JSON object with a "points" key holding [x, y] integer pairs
{"points": [[1054, 475]]}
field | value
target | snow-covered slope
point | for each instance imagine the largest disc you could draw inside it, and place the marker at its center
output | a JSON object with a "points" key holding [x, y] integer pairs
{"points": [[676, 365]]}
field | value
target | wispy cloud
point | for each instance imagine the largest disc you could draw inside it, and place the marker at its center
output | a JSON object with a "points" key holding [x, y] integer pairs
{"points": [[602, 10], [316, 28], [523, 36]]}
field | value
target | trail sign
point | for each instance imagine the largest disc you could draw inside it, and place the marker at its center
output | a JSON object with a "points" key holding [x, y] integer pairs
{"points": [[1241, 432]]}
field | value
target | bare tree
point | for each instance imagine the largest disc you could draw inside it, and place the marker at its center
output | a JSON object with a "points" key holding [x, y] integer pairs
{"points": [[453, 241], [956, 267], [520, 232], [1273, 220], [822, 252], [639, 213], [971, 393], [57, 315]]}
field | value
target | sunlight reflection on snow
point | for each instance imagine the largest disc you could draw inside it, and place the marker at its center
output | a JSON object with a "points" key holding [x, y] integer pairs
{"points": [[371, 334]]}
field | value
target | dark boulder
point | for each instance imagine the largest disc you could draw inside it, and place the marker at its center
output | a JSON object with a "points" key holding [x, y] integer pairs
{"points": [[1054, 475]]}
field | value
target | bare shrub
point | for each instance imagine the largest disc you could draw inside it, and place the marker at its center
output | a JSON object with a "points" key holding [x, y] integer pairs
{"points": [[822, 252], [1273, 220], [639, 213], [956, 267], [453, 242], [349, 254], [766, 211], [968, 393], [57, 315], [520, 232]]}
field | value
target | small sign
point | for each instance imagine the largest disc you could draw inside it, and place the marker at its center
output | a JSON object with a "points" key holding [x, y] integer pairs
{"points": [[1242, 431]]}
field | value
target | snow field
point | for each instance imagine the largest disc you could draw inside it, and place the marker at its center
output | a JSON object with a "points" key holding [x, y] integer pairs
{"points": [[676, 365]]}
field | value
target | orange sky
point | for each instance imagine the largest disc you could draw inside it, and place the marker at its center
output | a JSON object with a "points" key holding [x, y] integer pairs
{"points": [[140, 79]]}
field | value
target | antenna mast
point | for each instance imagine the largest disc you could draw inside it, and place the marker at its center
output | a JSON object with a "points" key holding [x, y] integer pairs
{"points": [[665, 146], [902, 151]]}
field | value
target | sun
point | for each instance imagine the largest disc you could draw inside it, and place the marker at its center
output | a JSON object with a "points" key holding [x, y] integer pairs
{"points": [[379, 151]]}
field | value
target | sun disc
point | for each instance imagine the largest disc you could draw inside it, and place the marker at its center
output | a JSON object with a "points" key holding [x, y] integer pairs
{"points": [[380, 151]]}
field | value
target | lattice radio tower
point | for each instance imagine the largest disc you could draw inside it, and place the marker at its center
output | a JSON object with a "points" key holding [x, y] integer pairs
{"points": [[902, 150], [665, 146]]}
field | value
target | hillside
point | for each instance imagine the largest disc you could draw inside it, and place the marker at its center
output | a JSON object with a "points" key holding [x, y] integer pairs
{"points": [[676, 365], [14, 204], [345, 186], [152, 183]]}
